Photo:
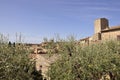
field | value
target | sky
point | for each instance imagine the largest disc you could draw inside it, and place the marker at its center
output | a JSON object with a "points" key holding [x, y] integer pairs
{"points": [[38, 19]]}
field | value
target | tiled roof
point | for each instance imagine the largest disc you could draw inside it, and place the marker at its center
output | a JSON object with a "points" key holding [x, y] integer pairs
{"points": [[111, 29]]}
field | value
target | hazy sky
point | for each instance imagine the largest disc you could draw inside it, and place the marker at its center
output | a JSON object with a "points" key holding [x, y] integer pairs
{"points": [[36, 19]]}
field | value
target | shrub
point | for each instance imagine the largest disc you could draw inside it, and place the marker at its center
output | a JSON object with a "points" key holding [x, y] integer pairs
{"points": [[91, 62], [15, 64]]}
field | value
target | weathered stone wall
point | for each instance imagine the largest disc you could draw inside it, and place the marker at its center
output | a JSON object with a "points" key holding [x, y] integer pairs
{"points": [[111, 35], [43, 61], [96, 37]]}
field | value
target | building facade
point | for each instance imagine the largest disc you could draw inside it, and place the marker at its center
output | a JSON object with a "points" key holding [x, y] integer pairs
{"points": [[103, 32]]}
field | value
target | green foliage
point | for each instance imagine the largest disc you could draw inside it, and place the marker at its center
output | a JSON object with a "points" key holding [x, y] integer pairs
{"points": [[15, 63], [87, 62]]}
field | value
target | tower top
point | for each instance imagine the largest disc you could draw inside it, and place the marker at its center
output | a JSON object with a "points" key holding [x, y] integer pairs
{"points": [[101, 24]]}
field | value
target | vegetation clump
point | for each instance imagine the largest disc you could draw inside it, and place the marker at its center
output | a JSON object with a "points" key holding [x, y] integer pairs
{"points": [[76, 62], [93, 62], [15, 63]]}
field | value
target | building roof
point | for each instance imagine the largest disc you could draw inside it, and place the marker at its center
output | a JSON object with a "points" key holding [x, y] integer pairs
{"points": [[114, 28], [83, 39]]}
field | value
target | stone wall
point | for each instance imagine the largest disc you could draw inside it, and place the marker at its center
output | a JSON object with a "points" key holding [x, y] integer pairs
{"points": [[43, 61], [96, 37], [111, 35]]}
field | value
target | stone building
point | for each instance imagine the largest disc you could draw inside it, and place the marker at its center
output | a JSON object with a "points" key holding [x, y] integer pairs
{"points": [[102, 32]]}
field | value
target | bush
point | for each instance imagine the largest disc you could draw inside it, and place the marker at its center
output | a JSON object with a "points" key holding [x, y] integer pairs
{"points": [[87, 63], [15, 64]]}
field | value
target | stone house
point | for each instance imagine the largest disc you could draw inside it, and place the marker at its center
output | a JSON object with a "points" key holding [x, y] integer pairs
{"points": [[102, 32]]}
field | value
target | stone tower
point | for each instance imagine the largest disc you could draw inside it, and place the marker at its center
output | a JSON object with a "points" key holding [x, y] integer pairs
{"points": [[101, 24]]}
